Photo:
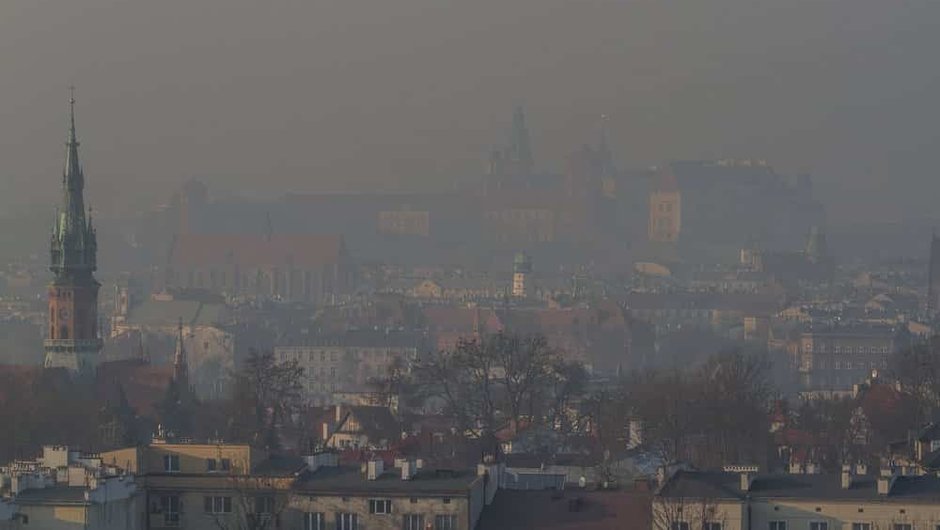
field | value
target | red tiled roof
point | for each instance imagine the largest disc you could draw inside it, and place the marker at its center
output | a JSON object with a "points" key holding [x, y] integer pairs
{"points": [[299, 250]]}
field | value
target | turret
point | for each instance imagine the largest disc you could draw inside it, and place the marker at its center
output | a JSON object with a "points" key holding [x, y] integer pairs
{"points": [[521, 269]]}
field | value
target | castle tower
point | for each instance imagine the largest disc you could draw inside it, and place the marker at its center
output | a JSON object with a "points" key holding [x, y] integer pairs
{"points": [[933, 276], [521, 269], [817, 249], [665, 209], [73, 342]]}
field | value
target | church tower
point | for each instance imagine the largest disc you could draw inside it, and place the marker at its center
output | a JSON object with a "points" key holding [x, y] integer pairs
{"points": [[73, 342], [665, 221]]}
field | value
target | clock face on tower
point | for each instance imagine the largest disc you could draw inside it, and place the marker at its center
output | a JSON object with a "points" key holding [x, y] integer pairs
{"points": [[64, 313]]}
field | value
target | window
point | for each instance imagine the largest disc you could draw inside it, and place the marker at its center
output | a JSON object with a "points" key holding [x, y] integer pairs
{"points": [[903, 526], [264, 504], [210, 464], [314, 521], [347, 521], [446, 500], [413, 521], [682, 525], [217, 504], [445, 522], [819, 525], [380, 506], [861, 526], [170, 506], [171, 463], [777, 525], [711, 526], [226, 464]]}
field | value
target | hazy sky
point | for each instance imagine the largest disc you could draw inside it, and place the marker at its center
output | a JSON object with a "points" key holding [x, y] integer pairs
{"points": [[340, 94]]}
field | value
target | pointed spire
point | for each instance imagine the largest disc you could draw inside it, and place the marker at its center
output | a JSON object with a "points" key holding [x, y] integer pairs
{"points": [[180, 368], [74, 244], [519, 144], [73, 168]]}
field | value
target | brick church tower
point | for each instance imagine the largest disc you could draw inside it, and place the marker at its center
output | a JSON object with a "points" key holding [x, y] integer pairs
{"points": [[73, 342]]}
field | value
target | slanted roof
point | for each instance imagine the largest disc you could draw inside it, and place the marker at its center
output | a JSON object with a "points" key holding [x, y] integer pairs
{"points": [[53, 495], [279, 466], [163, 313], [821, 487], [376, 423], [301, 251], [716, 485], [350, 480], [550, 510]]}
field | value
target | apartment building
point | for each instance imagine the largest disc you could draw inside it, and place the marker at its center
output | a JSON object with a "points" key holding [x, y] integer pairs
{"points": [[203, 486], [409, 497], [65, 489], [742, 499], [346, 362]]}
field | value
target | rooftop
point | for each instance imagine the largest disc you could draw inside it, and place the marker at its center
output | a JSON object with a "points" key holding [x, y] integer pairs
{"points": [[722, 485], [53, 495], [546, 510], [340, 480]]}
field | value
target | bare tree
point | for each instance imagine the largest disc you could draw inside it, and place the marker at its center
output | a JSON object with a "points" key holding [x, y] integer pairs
{"points": [[266, 393], [686, 513], [252, 502], [466, 380]]}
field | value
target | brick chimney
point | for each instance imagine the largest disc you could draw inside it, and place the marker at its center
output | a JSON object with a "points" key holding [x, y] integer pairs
{"points": [[846, 476]]}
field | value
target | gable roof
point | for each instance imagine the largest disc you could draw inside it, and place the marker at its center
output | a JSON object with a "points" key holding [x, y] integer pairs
{"points": [[376, 423]]}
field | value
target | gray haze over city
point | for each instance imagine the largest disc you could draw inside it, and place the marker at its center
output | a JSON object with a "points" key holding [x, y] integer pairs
{"points": [[469, 265], [265, 98]]}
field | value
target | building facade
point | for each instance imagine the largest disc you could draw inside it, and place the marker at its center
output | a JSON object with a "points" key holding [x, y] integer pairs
{"points": [[743, 500], [344, 498], [347, 362], [837, 358]]}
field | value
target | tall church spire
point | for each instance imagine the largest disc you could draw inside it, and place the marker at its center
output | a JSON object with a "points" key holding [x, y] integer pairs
{"points": [[74, 341], [74, 244]]}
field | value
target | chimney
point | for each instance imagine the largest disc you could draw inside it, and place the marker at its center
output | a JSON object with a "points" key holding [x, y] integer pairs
{"points": [[846, 476], [339, 413], [747, 475], [408, 470], [326, 431], [886, 481], [375, 469]]}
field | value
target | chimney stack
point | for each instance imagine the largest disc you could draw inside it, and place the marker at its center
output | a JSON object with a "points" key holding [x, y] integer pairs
{"points": [[747, 475], [375, 469], [846, 476], [886, 481]]}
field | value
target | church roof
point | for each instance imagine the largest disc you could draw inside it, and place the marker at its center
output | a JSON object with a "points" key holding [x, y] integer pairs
{"points": [[297, 250]]}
